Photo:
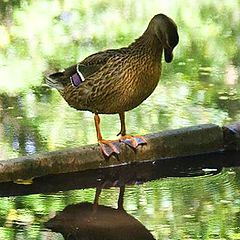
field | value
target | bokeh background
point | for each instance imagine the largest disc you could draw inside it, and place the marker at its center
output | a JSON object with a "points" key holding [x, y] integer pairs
{"points": [[38, 37]]}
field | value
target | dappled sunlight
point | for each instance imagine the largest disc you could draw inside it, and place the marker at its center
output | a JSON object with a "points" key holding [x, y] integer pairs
{"points": [[5, 39], [231, 75]]}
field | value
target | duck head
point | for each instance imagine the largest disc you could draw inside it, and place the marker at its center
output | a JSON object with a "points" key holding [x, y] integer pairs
{"points": [[166, 31]]}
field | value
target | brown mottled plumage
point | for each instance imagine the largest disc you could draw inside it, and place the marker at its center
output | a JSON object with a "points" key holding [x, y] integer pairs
{"points": [[118, 80]]}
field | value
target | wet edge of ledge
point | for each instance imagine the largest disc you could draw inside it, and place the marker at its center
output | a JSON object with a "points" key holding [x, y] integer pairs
{"points": [[135, 173]]}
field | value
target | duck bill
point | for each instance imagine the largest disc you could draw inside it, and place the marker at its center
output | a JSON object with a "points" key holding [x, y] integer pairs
{"points": [[168, 55]]}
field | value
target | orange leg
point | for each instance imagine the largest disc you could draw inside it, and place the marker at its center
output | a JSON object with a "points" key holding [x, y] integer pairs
{"points": [[108, 147], [97, 125], [132, 141]]}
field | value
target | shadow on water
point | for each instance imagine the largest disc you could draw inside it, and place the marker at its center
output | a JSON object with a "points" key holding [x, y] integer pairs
{"points": [[93, 221]]}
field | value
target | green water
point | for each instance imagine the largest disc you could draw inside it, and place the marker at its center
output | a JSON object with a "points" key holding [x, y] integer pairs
{"points": [[200, 86]]}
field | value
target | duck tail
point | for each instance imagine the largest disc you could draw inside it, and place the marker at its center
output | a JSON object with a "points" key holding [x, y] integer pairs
{"points": [[54, 80]]}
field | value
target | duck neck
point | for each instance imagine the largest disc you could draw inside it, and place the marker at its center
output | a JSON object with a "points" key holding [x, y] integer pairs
{"points": [[150, 44]]}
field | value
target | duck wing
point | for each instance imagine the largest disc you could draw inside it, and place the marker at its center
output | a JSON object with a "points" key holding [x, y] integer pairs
{"points": [[102, 57], [79, 72]]}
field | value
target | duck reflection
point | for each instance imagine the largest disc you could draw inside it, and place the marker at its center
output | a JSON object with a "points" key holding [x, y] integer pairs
{"points": [[97, 222]]}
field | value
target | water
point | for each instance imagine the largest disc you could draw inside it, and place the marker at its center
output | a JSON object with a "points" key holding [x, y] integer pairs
{"points": [[200, 86], [187, 198]]}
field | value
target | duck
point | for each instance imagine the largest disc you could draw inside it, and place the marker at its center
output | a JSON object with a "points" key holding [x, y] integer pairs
{"points": [[114, 81]]}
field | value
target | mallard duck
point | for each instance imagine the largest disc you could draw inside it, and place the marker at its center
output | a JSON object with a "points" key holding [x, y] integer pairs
{"points": [[118, 80]]}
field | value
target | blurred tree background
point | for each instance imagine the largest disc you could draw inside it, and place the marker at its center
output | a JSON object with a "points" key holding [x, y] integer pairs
{"points": [[38, 37]]}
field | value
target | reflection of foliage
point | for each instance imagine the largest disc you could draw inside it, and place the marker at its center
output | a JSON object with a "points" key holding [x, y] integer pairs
{"points": [[182, 208], [20, 126], [194, 208]]}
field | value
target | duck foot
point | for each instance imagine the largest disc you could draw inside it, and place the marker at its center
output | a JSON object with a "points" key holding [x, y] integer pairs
{"points": [[109, 147], [133, 141]]}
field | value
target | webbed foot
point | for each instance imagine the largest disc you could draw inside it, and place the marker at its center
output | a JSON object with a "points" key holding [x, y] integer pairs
{"points": [[133, 141], [109, 147]]}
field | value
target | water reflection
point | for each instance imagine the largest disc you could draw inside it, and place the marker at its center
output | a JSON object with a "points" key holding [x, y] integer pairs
{"points": [[189, 198], [93, 221]]}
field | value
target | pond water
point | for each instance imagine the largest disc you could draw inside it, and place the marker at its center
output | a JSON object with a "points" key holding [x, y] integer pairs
{"points": [[201, 85]]}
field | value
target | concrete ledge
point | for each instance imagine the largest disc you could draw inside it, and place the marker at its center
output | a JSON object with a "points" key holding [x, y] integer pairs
{"points": [[169, 144]]}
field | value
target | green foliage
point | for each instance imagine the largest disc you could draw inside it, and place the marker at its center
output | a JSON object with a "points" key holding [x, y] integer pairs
{"points": [[49, 35]]}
